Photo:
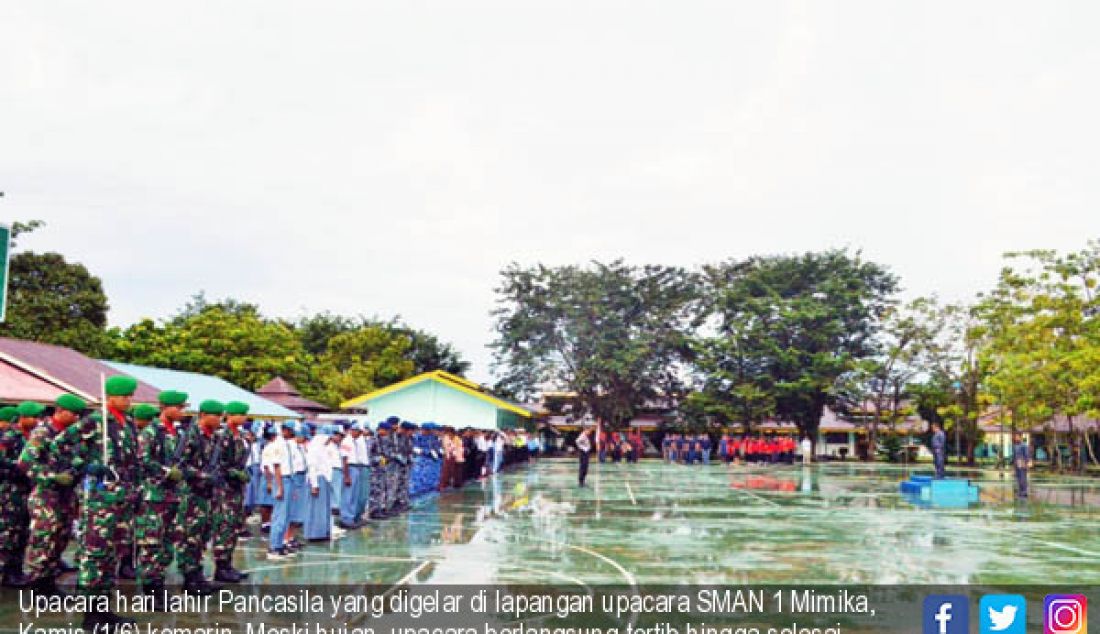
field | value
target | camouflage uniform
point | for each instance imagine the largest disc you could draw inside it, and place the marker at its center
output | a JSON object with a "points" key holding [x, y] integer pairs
{"points": [[14, 487], [48, 454], [377, 477], [393, 476], [106, 501], [404, 453], [194, 519], [155, 522], [228, 517]]}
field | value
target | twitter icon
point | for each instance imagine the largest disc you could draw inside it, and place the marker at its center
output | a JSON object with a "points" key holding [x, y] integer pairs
{"points": [[1003, 614]]}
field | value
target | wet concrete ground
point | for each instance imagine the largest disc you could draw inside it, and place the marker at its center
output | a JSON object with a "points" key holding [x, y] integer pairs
{"points": [[659, 523]]}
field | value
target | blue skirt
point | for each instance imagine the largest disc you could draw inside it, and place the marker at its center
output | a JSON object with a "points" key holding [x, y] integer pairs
{"points": [[299, 498], [336, 482], [364, 490], [349, 496], [255, 484], [319, 518]]}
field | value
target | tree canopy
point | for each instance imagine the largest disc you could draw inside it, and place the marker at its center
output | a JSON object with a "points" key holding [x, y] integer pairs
{"points": [[613, 334]]}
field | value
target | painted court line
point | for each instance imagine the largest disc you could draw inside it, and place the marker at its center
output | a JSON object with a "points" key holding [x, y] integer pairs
{"points": [[409, 577], [631, 492]]}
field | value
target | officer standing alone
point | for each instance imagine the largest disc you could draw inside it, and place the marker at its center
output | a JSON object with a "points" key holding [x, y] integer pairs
{"points": [[939, 450], [1021, 462], [584, 452]]}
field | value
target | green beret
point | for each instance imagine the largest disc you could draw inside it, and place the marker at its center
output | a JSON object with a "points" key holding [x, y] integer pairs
{"points": [[96, 416], [236, 408], [9, 413], [172, 398], [30, 409], [71, 403], [121, 386], [144, 411], [211, 406]]}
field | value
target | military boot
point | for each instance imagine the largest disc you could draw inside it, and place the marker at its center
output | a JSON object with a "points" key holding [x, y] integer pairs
{"points": [[156, 591], [227, 573], [47, 586], [196, 583], [13, 576], [126, 568]]}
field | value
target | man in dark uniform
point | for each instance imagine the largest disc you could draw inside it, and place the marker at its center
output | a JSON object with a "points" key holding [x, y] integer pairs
{"points": [[584, 453], [388, 448], [228, 512], [939, 450], [377, 480], [404, 453], [1021, 462], [53, 459], [14, 488], [112, 473], [199, 463]]}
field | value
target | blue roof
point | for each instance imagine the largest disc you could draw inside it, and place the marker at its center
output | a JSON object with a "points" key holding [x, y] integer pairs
{"points": [[200, 387]]}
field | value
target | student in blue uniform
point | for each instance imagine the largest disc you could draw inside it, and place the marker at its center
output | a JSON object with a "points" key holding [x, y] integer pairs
{"points": [[350, 481], [336, 462], [706, 447], [685, 449], [318, 521], [299, 484], [276, 464], [265, 498]]}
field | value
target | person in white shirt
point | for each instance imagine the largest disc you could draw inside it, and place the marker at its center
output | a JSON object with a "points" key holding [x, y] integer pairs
{"points": [[485, 448], [275, 461], [318, 471], [498, 452], [299, 492], [362, 458], [349, 491]]}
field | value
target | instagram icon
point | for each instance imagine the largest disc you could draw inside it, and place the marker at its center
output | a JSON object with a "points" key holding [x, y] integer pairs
{"points": [[1065, 614]]}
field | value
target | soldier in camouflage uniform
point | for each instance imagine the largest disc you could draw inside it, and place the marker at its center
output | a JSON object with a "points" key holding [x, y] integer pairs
{"points": [[228, 514], [53, 459], [158, 450], [200, 464], [380, 465], [404, 446], [390, 476], [107, 491], [14, 487]]}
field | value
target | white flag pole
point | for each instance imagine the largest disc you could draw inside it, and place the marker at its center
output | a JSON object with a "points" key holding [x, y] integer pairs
{"points": [[103, 406]]}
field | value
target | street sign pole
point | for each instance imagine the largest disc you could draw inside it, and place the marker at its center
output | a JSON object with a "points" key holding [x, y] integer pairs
{"points": [[5, 261]]}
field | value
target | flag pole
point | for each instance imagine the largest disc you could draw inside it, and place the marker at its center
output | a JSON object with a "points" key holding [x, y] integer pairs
{"points": [[103, 407]]}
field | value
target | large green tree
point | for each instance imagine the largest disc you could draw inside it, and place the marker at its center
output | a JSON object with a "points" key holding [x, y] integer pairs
{"points": [[1043, 320], [359, 361], [55, 301], [614, 335], [783, 330], [237, 345]]}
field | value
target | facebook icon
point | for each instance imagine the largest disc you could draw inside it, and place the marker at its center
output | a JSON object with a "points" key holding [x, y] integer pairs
{"points": [[946, 614]]}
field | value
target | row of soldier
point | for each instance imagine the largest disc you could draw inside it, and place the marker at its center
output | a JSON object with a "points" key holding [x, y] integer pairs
{"points": [[147, 485]]}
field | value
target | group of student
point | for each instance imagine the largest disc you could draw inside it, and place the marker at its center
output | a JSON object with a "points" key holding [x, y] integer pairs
{"points": [[319, 481], [620, 446], [698, 448]]}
